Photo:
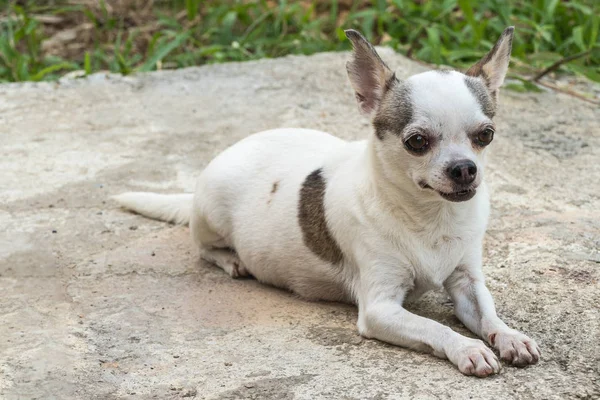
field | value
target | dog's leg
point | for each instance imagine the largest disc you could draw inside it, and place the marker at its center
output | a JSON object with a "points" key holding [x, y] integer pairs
{"points": [[381, 316], [474, 306], [226, 259], [213, 246]]}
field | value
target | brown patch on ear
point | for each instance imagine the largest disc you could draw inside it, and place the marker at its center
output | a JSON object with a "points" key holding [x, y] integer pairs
{"points": [[312, 219], [369, 75]]}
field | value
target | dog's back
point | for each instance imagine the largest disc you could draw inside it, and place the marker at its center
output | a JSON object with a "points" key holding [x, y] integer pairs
{"points": [[250, 196]]}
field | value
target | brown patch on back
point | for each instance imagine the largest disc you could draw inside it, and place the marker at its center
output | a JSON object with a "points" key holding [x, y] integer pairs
{"points": [[312, 219]]}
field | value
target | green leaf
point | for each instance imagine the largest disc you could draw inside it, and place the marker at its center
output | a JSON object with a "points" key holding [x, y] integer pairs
{"points": [[456, 55], [163, 51], [191, 8], [515, 87], [48, 70], [579, 7], [545, 33], [467, 9], [435, 44], [333, 13], [87, 63], [526, 85], [586, 71], [91, 17], [549, 10], [229, 20], [123, 67], [594, 31], [578, 37], [545, 56], [341, 35]]}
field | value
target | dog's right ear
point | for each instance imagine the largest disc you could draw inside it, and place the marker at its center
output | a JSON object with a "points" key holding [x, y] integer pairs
{"points": [[368, 74]]}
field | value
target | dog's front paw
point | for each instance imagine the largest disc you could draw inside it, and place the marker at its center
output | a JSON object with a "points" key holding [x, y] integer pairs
{"points": [[473, 357], [515, 348]]}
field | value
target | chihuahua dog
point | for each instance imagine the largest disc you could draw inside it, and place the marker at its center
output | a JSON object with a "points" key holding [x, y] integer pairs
{"points": [[374, 222]]}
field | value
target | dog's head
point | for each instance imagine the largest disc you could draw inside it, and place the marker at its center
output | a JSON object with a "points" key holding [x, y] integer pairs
{"points": [[433, 127]]}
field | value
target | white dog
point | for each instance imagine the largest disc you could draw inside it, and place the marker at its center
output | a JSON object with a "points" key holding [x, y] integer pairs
{"points": [[372, 222]]}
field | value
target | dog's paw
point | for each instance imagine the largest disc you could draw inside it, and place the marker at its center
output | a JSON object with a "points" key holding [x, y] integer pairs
{"points": [[515, 348], [238, 270], [473, 357]]}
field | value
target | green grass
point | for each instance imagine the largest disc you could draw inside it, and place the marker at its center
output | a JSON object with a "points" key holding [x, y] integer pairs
{"points": [[125, 37]]}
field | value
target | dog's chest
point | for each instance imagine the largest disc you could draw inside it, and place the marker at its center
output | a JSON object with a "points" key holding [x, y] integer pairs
{"points": [[436, 251], [434, 258]]}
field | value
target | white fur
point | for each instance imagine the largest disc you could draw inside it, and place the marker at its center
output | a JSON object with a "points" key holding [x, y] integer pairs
{"points": [[175, 208], [398, 239]]}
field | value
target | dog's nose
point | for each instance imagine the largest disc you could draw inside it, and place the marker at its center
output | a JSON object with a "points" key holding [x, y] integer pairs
{"points": [[462, 172]]}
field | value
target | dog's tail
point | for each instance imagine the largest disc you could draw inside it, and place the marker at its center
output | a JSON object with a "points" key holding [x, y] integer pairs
{"points": [[175, 208]]}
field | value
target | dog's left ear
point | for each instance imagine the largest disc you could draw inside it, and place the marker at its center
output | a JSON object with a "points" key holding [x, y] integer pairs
{"points": [[368, 74], [494, 65]]}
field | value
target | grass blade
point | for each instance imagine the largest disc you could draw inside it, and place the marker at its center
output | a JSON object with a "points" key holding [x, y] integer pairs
{"points": [[163, 51], [48, 70], [87, 63]]}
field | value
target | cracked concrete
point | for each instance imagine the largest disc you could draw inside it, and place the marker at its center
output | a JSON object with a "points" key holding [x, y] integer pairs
{"points": [[98, 303]]}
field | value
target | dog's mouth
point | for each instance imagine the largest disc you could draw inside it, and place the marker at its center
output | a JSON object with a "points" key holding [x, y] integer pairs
{"points": [[458, 196]]}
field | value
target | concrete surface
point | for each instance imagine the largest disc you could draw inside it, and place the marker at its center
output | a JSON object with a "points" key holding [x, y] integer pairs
{"points": [[98, 303]]}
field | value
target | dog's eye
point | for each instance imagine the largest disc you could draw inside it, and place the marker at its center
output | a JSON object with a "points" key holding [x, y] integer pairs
{"points": [[417, 143], [485, 137]]}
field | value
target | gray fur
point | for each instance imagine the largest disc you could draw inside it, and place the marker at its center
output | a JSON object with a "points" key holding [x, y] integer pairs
{"points": [[395, 111], [312, 220], [486, 101]]}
